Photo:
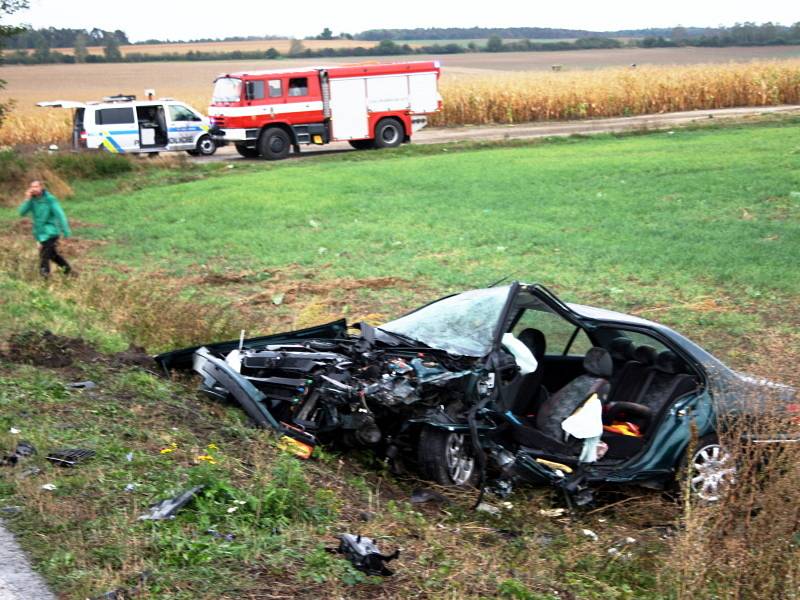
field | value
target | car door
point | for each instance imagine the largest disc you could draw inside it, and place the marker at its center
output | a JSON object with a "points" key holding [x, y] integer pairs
{"points": [[184, 127]]}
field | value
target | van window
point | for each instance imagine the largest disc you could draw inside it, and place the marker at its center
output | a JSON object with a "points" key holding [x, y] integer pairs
{"points": [[275, 88], [298, 86], [113, 116], [181, 113], [254, 90]]}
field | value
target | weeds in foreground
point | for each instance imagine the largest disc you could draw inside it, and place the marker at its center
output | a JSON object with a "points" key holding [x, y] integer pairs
{"points": [[746, 544]]}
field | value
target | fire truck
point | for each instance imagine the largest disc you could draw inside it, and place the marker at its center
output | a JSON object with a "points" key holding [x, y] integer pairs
{"points": [[270, 113]]}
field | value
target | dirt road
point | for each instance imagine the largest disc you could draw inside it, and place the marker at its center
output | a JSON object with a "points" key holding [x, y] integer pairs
{"points": [[540, 130]]}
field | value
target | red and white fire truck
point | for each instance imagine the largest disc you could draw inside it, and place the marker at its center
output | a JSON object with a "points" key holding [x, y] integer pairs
{"points": [[268, 113]]}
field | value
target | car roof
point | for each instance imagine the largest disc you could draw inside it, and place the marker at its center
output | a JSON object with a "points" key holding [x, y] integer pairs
{"points": [[592, 312]]}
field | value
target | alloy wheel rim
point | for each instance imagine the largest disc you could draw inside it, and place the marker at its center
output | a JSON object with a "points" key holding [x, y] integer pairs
{"points": [[459, 464], [713, 472]]}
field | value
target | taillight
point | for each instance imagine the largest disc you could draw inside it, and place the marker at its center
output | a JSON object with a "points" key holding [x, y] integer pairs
{"points": [[84, 136]]}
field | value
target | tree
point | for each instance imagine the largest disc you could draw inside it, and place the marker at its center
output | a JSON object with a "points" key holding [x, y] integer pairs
{"points": [[111, 49], [272, 53], [326, 34], [80, 47], [8, 7], [495, 44]]}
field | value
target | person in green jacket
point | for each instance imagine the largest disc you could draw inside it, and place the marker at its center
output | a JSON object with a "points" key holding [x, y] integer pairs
{"points": [[49, 221]]}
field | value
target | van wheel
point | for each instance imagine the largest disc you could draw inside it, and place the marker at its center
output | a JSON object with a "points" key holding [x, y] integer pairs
{"points": [[274, 144], [247, 151], [389, 133], [446, 457], [205, 146], [362, 144]]}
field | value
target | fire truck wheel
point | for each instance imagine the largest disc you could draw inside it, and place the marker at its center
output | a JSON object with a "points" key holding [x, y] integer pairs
{"points": [[247, 151], [389, 133], [274, 144]]}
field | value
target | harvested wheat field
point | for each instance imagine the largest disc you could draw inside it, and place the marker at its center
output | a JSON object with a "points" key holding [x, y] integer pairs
{"points": [[477, 88]]}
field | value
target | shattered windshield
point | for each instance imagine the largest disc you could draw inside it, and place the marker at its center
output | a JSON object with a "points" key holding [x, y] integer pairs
{"points": [[462, 324], [227, 89]]}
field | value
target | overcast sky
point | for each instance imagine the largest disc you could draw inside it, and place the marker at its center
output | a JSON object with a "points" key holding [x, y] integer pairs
{"points": [[187, 19]]}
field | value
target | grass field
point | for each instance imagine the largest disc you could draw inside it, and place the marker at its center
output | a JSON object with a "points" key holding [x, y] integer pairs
{"points": [[696, 229]]}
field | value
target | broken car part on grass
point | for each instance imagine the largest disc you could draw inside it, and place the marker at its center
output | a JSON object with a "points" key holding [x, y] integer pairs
{"points": [[492, 387], [364, 554]]}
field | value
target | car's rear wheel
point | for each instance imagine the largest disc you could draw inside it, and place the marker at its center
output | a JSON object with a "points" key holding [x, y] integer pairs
{"points": [[247, 151], [711, 470], [389, 133], [447, 458], [274, 144]]}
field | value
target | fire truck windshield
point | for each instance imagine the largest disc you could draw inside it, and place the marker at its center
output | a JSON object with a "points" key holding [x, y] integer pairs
{"points": [[227, 89]]}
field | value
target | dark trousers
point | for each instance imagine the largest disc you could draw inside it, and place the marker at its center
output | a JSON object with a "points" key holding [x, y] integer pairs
{"points": [[49, 252]]}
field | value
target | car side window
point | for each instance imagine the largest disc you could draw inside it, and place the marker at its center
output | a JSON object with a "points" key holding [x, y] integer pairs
{"points": [[641, 339], [181, 113], [254, 89], [113, 116], [298, 86], [275, 88], [562, 337]]}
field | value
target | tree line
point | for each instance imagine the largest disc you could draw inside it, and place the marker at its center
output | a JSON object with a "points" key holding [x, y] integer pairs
{"points": [[743, 34]]}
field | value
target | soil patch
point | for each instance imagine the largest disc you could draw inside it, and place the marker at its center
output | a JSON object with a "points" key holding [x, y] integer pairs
{"points": [[46, 349]]}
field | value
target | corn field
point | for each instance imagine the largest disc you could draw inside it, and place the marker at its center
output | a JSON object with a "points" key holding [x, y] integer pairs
{"points": [[518, 97]]}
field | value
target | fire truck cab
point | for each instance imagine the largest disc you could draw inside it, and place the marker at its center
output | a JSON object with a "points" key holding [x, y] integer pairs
{"points": [[269, 113]]}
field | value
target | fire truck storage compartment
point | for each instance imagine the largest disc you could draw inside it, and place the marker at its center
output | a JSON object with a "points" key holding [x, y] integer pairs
{"points": [[152, 126], [349, 108]]}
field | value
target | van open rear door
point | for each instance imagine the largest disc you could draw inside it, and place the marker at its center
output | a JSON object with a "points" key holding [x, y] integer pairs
{"points": [[78, 131]]}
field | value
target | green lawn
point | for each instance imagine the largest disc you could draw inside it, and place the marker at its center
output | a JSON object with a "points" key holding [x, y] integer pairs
{"points": [[717, 206]]}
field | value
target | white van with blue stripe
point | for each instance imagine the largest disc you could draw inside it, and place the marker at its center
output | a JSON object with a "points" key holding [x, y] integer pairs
{"points": [[123, 125]]}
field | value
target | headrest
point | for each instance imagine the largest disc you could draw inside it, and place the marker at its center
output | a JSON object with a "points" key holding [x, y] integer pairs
{"points": [[646, 355], [598, 362], [534, 340], [668, 362], [621, 348]]}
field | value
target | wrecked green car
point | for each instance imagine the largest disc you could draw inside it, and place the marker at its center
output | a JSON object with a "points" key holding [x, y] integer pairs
{"points": [[496, 386]]}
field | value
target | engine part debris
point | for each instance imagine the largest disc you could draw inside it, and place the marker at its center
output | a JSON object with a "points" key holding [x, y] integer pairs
{"points": [[22, 450], [166, 509], [69, 457], [50, 487], [364, 554]]}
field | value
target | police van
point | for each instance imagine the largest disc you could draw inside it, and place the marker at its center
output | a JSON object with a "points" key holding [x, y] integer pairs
{"points": [[121, 124]]}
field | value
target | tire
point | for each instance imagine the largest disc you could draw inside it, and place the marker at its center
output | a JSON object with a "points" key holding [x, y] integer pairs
{"points": [[152, 154], [206, 146], [362, 144], [446, 457], [247, 151], [389, 133], [711, 469], [274, 144]]}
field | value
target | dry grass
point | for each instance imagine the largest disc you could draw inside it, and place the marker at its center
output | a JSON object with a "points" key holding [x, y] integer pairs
{"points": [[471, 99], [746, 545]]}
